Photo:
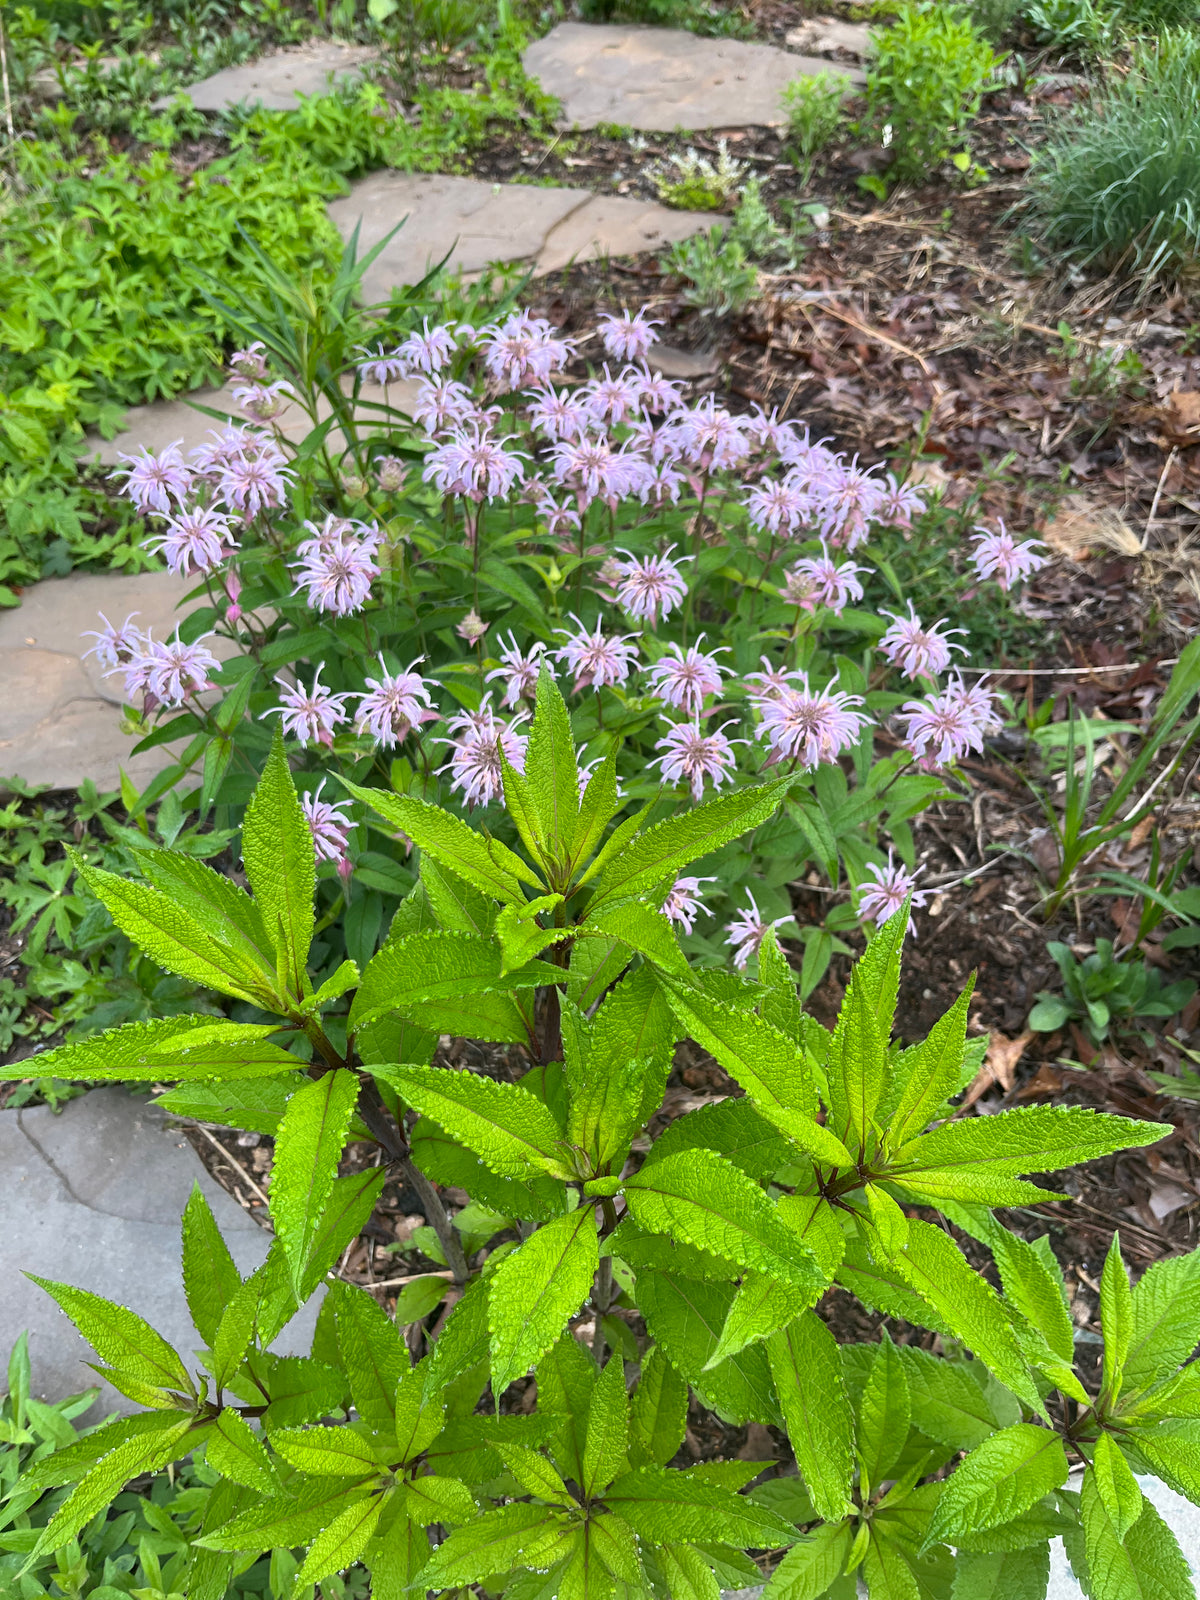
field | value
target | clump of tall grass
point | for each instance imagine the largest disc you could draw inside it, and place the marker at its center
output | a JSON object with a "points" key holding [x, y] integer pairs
{"points": [[1118, 182]]}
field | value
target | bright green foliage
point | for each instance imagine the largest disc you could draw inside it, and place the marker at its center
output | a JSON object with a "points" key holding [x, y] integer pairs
{"points": [[718, 1241], [925, 79]]}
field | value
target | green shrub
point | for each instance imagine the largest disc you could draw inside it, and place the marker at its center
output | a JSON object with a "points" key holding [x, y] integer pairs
{"points": [[1102, 990], [1118, 181], [924, 83], [720, 277], [814, 111]]}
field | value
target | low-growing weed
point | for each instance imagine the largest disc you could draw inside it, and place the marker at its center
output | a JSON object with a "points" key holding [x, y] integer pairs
{"points": [[691, 182], [813, 104], [1104, 992], [925, 81], [719, 275], [1116, 183]]}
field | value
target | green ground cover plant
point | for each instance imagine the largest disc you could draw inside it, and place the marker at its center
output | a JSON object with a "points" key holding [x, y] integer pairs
{"points": [[925, 1474], [1104, 992], [813, 104], [1116, 182]]}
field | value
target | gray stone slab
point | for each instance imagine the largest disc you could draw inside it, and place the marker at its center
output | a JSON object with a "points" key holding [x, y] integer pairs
{"points": [[92, 1197], [481, 223], [830, 36], [59, 717], [274, 81], [660, 79]]}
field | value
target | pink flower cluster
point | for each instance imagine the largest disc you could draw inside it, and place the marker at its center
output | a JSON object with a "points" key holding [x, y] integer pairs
{"points": [[164, 674]]}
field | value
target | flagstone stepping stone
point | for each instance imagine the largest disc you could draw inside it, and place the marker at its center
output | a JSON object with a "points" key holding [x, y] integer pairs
{"points": [[830, 36], [274, 81], [661, 79], [481, 223], [60, 719], [92, 1196]]}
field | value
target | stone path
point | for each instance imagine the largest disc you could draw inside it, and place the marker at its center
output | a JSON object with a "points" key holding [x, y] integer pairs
{"points": [[92, 1196], [274, 81], [60, 719], [482, 222], [661, 79]]}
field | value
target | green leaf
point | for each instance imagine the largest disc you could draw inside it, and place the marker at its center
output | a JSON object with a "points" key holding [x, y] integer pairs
{"points": [[443, 1159], [662, 852], [456, 906], [770, 1067], [395, 1556], [510, 1130], [605, 1095], [71, 1462], [210, 1278], [172, 938], [483, 862], [607, 1441], [340, 1544], [1172, 1448], [277, 849], [254, 1104], [235, 1451], [936, 1269], [1116, 1484], [1035, 1291], [668, 1507], [806, 1365], [286, 1519], [933, 1068], [326, 1452], [522, 937], [1146, 1565], [949, 1403], [373, 1354], [238, 1323], [815, 1220], [307, 1150], [857, 1066], [658, 1412], [1166, 1320], [735, 1130], [434, 1499], [120, 1337], [1000, 1479], [420, 1410], [516, 1535], [535, 1475], [884, 1414], [638, 925], [686, 1317], [1011, 1574], [1116, 1318], [450, 982], [888, 1221], [169, 1047], [144, 1452], [688, 1576], [225, 911], [811, 1566], [551, 772], [535, 1291], [351, 1201], [763, 1306], [1032, 1139], [597, 808], [706, 1201]]}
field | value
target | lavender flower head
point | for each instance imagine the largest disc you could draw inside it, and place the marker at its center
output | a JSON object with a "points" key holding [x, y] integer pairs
{"points": [[444, 405], [684, 678], [598, 660], [683, 903], [558, 414], [709, 437], [519, 671], [882, 899], [310, 715], [945, 727], [627, 337], [429, 350], [380, 367], [196, 540], [522, 350], [650, 589], [249, 363], [696, 756], [850, 503], [472, 627], [478, 740], [152, 482], [999, 556], [820, 581], [899, 503], [778, 506], [473, 463], [172, 671], [613, 400], [393, 705], [255, 481], [809, 725], [263, 401], [335, 574], [918, 651], [772, 683], [114, 647], [748, 930], [330, 830]]}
